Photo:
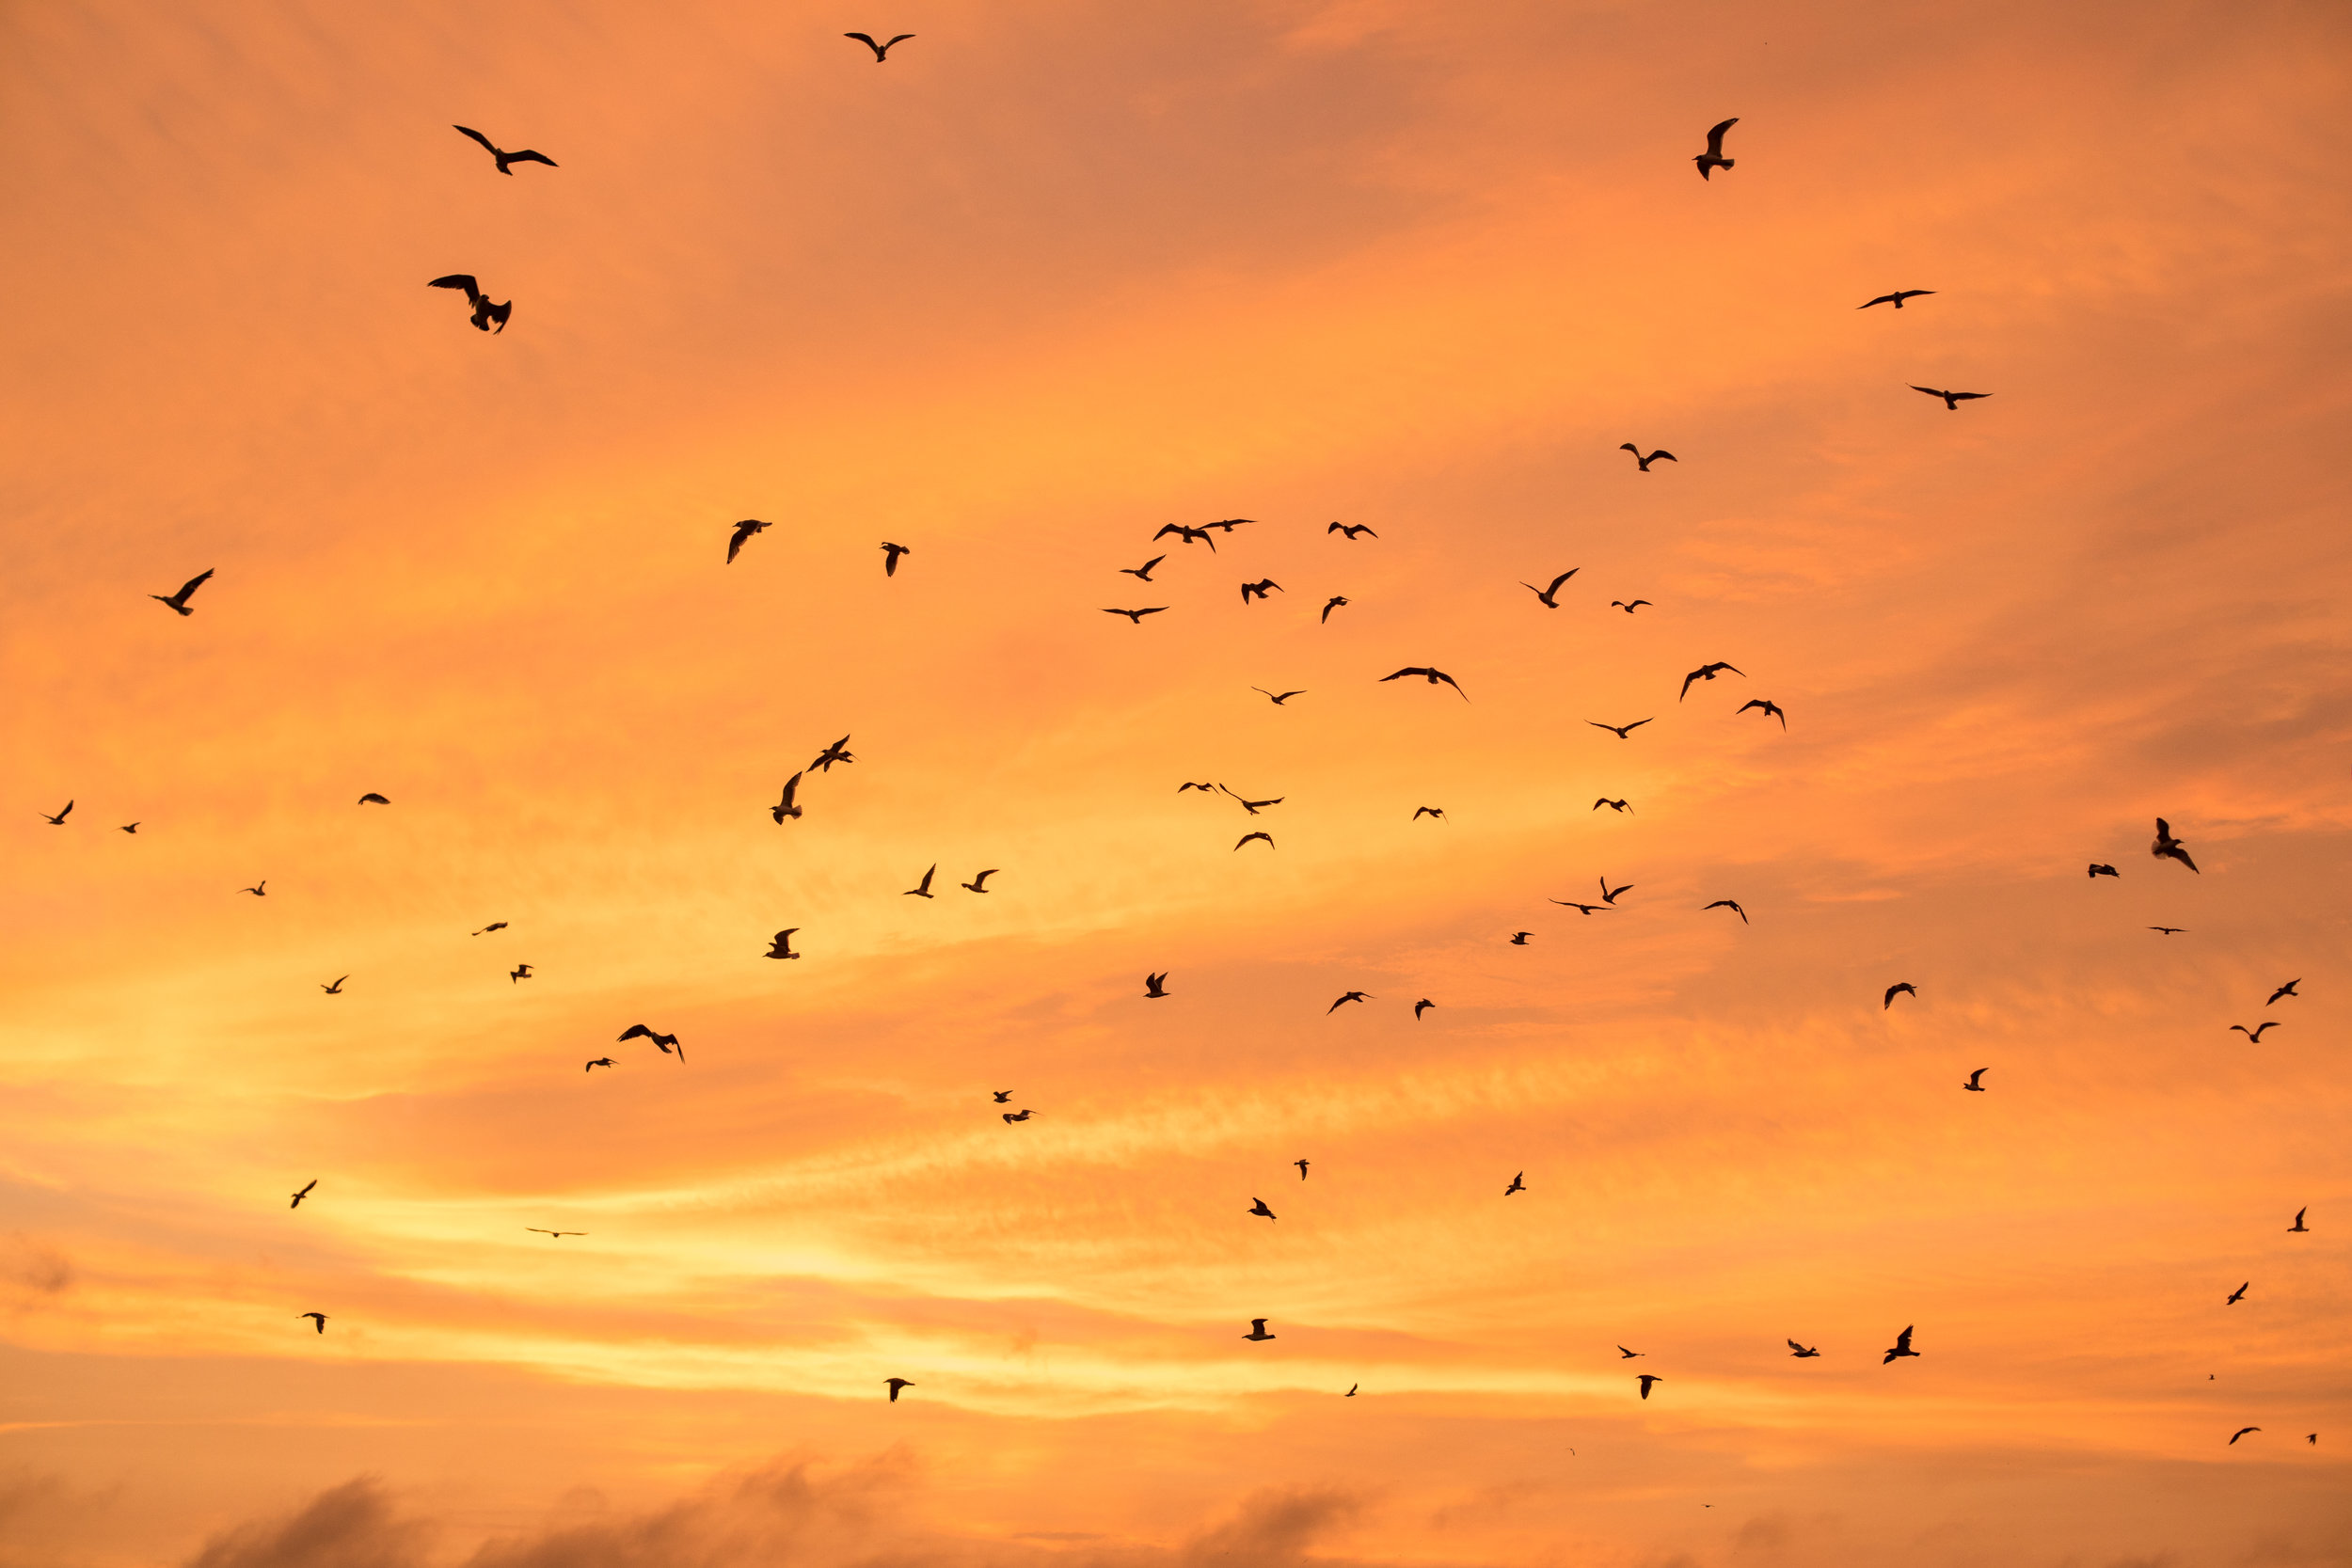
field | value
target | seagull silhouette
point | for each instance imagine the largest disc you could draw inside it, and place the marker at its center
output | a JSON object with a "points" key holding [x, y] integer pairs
{"points": [[601, 1061], [1302, 1168], [1420, 1006], [372, 798], [1518, 939], [318, 1319], [1800, 1351], [922, 888], [2238, 1434], [2167, 848], [1277, 700], [1246, 837], [552, 1235], [1252, 806], [1257, 1206], [788, 806], [2099, 870], [1899, 987], [1645, 1380], [1187, 535], [58, 820], [1143, 571], [1713, 158], [881, 50], [1609, 897], [1155, 986], [1623, 732], [337, 989], [743, 530], [1004, 1097], [667, 1042], [1731, 904], [1706, 673], [782, 946], [504, 157], [2287, 989], [890, 557], [1431, 675], [978, 883], [1351, 996], [521, 972], [2237, 1295], [1895, 299], [179, 601], [1519, 1184], [1336, 601], [1951, 400], [306, 1193], [1619, 806], [1353, 1386], [1257, 1330], [1259, 589], [130, 827], [838, 752], [1136, 617], [1419, 812], [1625, 1354], [1975, 1082], [895, 1384], [1901, 1348], [1771, 711], [2168, 931], [484, 311], [1352, 529], [1643, 462], [1548, 597], [1024, 1116], [1628, 606], [258, 890], [2255, 1036], [2298, 1225]]}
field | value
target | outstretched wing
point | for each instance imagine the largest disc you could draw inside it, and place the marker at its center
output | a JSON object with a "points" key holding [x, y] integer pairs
{"points": [[488, 144], [1715, 137], [1932, 392], [868, 39], [1562, 578], [528, 156], [459, 280], [900, 39], [192, 585], [635, 1032], [1964, 397]]}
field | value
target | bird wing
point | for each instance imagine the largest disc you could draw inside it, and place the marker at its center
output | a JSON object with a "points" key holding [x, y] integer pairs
{"points": [[192, 584], [486, 141], [458, 280], [1562, 578], [865, 39], [900, 39], [1409, 669], [528, 156], [1715, 137], [1929, 390], [1965, 396], [636, 1031], [1867, 303]]}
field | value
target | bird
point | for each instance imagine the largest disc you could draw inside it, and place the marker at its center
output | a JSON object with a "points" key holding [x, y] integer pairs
{"points": [[1643, 462], [1713, 158], [484, 311], [1951, 400], [1277, 700], [1519, 1184], [2287, 989], [1582, 909], [1731, 904], [667, 1042], [1353, 1386], [1974, 1084], [1646, 1379], [1024, 1116], [1706, 672], [1419, 812], [1004, 1097], [1898, 989], [1136, 617], [782, 946], [881, 50], [838, 752], [372, 798], [521, 972], [2298, 1225], [130, 827], [1901, 1348], [305, 1192], [1628, 606], [890, 557], [1336, 601], [552, 1235], [1252, 806], [1895, 299], [895, 1384], [1623, 732], [601, 1061], [318, 1319], [1257, 1330], [1187, 535], [1609, 897], [2238, 1434], [2255, 1036], [504, 157], [1619, 806], [258, 890], [1548, 597], [1771, 711], [2098, 870], [1144, 571], [1302, 1168], [2168, 931], [1246, 837], [1801, 1353], [2236, 1294], [978, 883], [1257, 1206], [337, 989], [179, 601], [2311, 1437], [1155, 986], [922, 888], [1259, 589], [1518, 939], [788, 806], [1351, 530], [743, 530], [58, 820], [1625, 1354], [1420, 1006], [1351, 996], [1431, 675]]}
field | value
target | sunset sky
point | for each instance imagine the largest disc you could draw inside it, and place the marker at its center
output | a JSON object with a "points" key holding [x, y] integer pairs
{"points": [[1055, 275]]}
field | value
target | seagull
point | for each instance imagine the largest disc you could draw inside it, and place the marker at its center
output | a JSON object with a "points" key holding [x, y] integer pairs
{"points": [[1278, 702], [788, 806], [179, 601], [484, 311], [1771, 711], [1902, 1348], [2236, 1294], [130, 827], [337, 989], [1420, 1006], [881, 50], [1609, 897], [890, 557], [1187, 535], [2099, 870], [1135, 616], [1713, 157], [1353, 1386], [1619, 806], [257, 889], [639, 1031], [601, 1061], [1259, 589], [1973, 1083], [1625, 1354], [372, 798], [58, 820], [1706, 673], [1257, 1206], [1645, 462], [1897, 988], [1004, 1097], [1419, 812], [1627, 607], [1519, 1184], [1548, 597], [2168, 931], [1246, 837], [1024, 1115], [2298, 1225], [1800, 1351], [305, 1192], [1582, 909], [2287, 989], [2238, 1434], [782, 946], [1518, 939], [1252, 806], [2255, 1036], [1951, 400], [1623, 732], [1431, 675], [1144, 571], [838, 752], [1731, 904], [521, 972], [1302, 1168], [743, 530], [1895, 299], [319, 1319], [504, 157], [542, 1231], [1646, 1379], [1155, 986], [1351, 530], [978, 883], [1257, 1330], [1336, 601], [922, 888], [895, 1384], [1351, 996]]}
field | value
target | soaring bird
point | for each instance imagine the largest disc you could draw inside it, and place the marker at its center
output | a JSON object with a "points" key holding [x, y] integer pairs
{"points": [[1136, 617], [1713, 158], [1646, 1379], [58, 820], [2098, 869], [2168, 931], [1143, 573], [1353, 1386], [601, 1061], [1619, 806], [1259, 589], [1625, 1354], [504, 157], [1252, 806], [743, 530], [1420, 1006], [1024, 1116], [258, 890], [1336, 601], [1518, 939], [1203, 788], [922, 888], [1608, 896], [179, 601], [1901, 1348], [2255, 1036], [317, 1319], [881, 50], [1706, 672], [521, 972], [1431, 675], [1548, 597], [2298, 1225], [1629, 606], [1004, 1097], [788, 806], [305, 1192], [895, 1384], [1155, 986], [372, 798], [1519, 1184], [2237, 1295], [1302, 1168], [1419, 812], [838, 752], [1643, 462], [1801, 1353], [2167, 848], [2287, 989], [1975, 1082], [1951, 400], [1771, 711], [2238, 1434], [1895, 299], [667, 1042], [1278, 699], [1257, 1330], [1246, 837], [1257, 1206], [978, 883], [130, 827], [1351, 530], [1731, 904], [337, 989], [890, 557], [1187, 535], [1900, 987], [1623, 732], [782, 946], [552, 1235], [1351, 996], [484, 311]]}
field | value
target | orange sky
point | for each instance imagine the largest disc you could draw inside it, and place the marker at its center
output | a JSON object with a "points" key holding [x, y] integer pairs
{"points": [[1054, 277]]}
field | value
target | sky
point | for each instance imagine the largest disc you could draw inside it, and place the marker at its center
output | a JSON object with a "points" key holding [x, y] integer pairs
{"points": [[1053, 277]]}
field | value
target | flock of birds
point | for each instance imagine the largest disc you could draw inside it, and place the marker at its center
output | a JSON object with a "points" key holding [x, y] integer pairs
{"points": [[493, 317]]}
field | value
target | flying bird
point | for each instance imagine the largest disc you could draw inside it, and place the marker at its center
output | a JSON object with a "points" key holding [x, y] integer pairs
{"points": [[1623, 732], [258, 890], [1519, 1184], [179, 601], [1187, 535], [1420, 1006], [552, 1235], [2255, 1036], [1951, 400], [1899, 987], [521, 972], [1801, 1353], [788, 806], [504, 157], [881, 50], [1518, 939], [667, 1042], [484, 311], [1548, 597], [890, 557], [922, 888], [1628, 606], [978, 883], [2287, 989], [1431, 675], [1713, 158], [1336, 601], [895, 1384], [838, 752], [1731, 904], [1024, 1116], [1706, 673], [1302, 1168], [1351, 996], [1625, 1354], [1135, 617], [2298, 1225], [1155, 986], [601, 1061], [1643, 462], [2099, 870], [1975, 1082], [1895, 299], [1353, 1386], [1771, 711], [1646, 1379], [2168, 931], [372, 798], [1259, 589], [1246, 837], [1203, 788], [317, 1319], [1419, 812], [1144, 571], [1351, 530], [1257, 1330], [337, 989], [2238, 1434], [1901, 1348], [1609, 897], [1257, 1206], [494, 926], [1619, 806], [305, 1192], [58, 820], [1004, 1097], [782, 946], [1277, 700], [2237, 1295], [1252, 806], [130, 827], [743, 530]]}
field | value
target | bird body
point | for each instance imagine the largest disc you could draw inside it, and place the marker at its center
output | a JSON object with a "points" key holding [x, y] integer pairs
{"points": [[130, 826], [2298, 1225], [1976, 1080], [1714, 159], [1518, 939], [882, 53], [782, 946], [1647, 1380], [1257, 1330], [317, 1319], [1155, 986], [484, 311], [1419, 812], [521, 972], [1420, 1006], [895, 1384], [890, 557], [743, 530], [504, 157], [2238, 1434], [178, 600], [1800, 1351], [2237, 1295], [1302, 1168], [1519, 1184], [2097, 870], [1257, 1206], [552, 1235]]}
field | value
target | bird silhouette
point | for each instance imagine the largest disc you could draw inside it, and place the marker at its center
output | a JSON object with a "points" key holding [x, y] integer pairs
{"points": [[1901, 1348], [743, 530], [1609, 897], [2238, 1434], [552, 1235], [1420, 1006], [1951, 400], [1004, 1097], [317, 1319], [1259, 589], [1336, 601], [1900, 987], [1024, 1116], [2298, 1225], [484, 311], [922, 888], [521, 972], [1623, 732], [978, 883], [2168, 931], [895, 1384], [1143, 573], [1731, 904], [1628, 606], [58, 820], [1252, 806], [1518, 939], [1351, 996], [1619, 806], [1351, 530], [1136, 617], [1895, 299], [337, 989], [782, 946], [788, 806], [601, 1061], [258, 890], [1353, 1386], [1548, 597], [1643, 462], [1155, 986], [1519, 1184], [130, 827], [179, 601], [1277, 700], [1257, 1330], [838, 752], [2255, 1036], [890, 557], [1431, 675], [1419, 812], [1713, 158], [1187, 535], [2099, 870], [1257, 1206], [1246, 837], [1800, 1351], [1706, 673], [372, 798], [1645, 1380], [667, 1042], [504, 157], [1974, 1081], [2287, 989], [881, 50], [305, 1192], [1302, 1168], [2238, 1294], [1625, 1354], [1771, 711]]}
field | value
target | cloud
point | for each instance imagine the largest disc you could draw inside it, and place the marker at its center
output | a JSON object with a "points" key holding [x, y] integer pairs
{"points": [[34, 1266], [351, 1526], [1272, 1527]]}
